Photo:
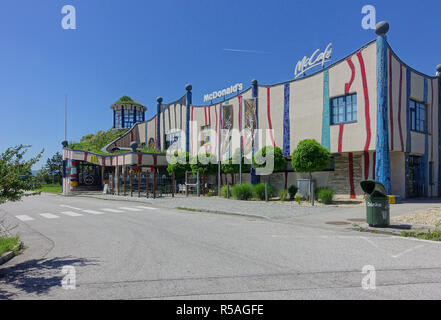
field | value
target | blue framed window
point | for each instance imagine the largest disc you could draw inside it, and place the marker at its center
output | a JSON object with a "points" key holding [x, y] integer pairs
{"points": [[418, 116], [344, 109]]}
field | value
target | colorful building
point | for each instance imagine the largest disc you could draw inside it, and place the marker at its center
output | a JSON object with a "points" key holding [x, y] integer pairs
{"points": [[379, 117]]}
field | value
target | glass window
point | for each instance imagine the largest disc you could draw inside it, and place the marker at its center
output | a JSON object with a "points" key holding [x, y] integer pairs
{"points": [[418, 116], [139, 114], [118, 119], [205, 135], [344, 109], [128, 118], [172, 138]]}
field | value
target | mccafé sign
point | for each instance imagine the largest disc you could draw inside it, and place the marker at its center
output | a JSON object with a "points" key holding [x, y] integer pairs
{"points": [[314, 60]]}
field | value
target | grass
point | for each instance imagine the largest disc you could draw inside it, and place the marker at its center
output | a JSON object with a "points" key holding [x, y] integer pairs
{"points": [[431, 235], [7, 244], [51, 188]]}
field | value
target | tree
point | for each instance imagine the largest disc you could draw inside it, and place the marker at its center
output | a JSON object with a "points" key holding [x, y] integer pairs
{"points": [[259, 158], [205, 164], [54, 168], [179, 163], [310, 156], [232, 166], [16, 179]]}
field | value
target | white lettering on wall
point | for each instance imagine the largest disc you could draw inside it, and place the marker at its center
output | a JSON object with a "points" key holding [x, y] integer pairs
{"points": [[314, 60], [222, 93]]}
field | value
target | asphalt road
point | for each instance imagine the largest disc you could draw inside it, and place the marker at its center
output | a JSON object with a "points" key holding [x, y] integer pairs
{"points": [[131, 250]]}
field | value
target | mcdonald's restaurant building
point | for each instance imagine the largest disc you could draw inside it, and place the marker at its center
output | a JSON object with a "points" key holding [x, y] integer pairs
{"points": [[379, 118]]}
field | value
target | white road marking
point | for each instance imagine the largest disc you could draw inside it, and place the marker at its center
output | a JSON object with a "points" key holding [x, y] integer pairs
{"points": [[129, 209], [24, 217], [70, 207], [406, 251], [71, 214], [93, 212], [148, 208], [112, 210], [49, 215]]}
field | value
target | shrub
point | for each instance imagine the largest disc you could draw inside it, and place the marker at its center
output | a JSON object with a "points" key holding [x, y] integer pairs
{"points": [[292, 191], [298, 198], [259, 191], [242, 192], [283, 194], [325, 195], [224, 191]]}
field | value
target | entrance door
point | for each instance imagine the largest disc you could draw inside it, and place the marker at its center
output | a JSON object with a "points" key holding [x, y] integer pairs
{"points": [[415, 186]]}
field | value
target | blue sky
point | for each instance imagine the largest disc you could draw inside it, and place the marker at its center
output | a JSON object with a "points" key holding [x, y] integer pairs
{"points": [[146, 49]]}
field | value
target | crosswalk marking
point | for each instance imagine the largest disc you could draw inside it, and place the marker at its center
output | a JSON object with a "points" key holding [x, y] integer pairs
{"points": [[70, 207], [148, 208], [93, 211], [49, 215], [112, 210], [71, 214], [129, 208], [24, 217]]}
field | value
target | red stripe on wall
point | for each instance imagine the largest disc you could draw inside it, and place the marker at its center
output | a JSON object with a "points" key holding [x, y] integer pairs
{"points": [[191, 130], [209, 116], [205, 113], [139, 159], [240, 119], [268, 110], [349, 84], [103, 161], [340, 137], [366, 102], [217, 132], [117, 160], [156, 118], [431, 122], [391, 105], [85, 156], [366, 165], [366, 107], [155, 159], [351, 175], [111, 161], [131, 136], [399, 108], [373, 165]]}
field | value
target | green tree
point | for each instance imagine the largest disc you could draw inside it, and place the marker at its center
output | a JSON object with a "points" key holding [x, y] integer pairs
{"points": [[54, 167], [259, 158], [16, 179], [310, 156], [179, 163], [232, 166]]}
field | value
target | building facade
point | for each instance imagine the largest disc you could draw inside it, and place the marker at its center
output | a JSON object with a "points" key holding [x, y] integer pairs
{"points": [[379, 118]]}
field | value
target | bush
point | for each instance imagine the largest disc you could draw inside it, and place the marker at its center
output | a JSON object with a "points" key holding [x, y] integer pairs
{"points": [[292, 191], [283, 194], [242, 191], [259, 191], [224, 192], [325, 195], [298, 198]]}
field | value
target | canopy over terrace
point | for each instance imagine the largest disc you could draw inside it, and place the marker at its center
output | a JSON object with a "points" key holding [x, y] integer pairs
{"points": [[110, 168]]}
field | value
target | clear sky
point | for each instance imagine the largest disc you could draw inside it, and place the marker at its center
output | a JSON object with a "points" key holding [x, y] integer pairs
{"points": [[146, 49]]}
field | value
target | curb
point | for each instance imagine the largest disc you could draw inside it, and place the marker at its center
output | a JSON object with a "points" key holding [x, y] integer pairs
{"points": [[5, 257]]}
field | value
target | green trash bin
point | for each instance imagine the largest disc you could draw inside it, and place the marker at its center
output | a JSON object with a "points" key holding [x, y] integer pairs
{"points": [[377, 203]]}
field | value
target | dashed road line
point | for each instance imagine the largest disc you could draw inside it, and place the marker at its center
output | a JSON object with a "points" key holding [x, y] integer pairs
{"points": [[129, 209], [93, 211], [70, 207], [112, 210], [148, 208], [71, 214], [24, 217], [49, 215]]}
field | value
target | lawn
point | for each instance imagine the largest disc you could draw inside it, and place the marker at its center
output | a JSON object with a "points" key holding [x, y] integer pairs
{"points": [[7, 244], [52, 188]]}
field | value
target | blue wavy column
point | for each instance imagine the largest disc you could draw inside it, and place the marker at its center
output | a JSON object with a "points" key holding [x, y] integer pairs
{"points": [[382, 165], [326, 117], [425, 164], [158, 123], [254, 179], [188, 102], [286, 123], [439, 131], [408, 135]]}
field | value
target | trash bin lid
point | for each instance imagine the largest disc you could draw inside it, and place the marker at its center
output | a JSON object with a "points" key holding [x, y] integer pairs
{"points": [[374, 188]]}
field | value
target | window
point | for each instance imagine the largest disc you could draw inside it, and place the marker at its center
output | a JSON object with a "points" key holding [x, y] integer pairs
{"points": [[344, 109], [118, 120], [418, 116], [139, 116], [128, 118], [205, 135], [172, 138]]}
